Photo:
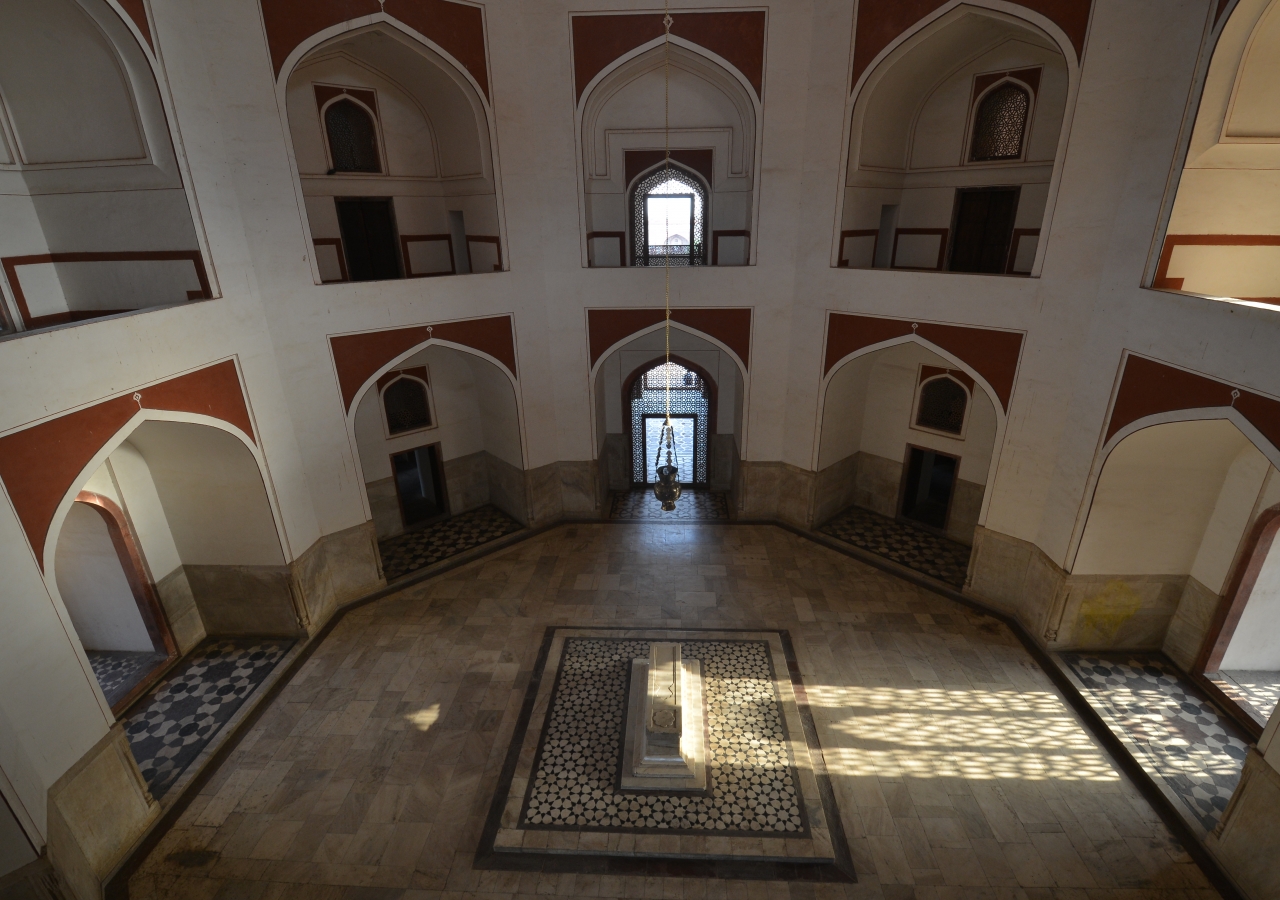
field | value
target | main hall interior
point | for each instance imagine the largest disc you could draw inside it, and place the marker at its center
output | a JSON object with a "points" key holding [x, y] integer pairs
{"points": [[498, 449]]}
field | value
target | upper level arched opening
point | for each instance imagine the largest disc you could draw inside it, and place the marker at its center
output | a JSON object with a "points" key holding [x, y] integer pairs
{"points": [[714, 144], [1223, 236], [394, 152], [954, 140], [83, 130]]}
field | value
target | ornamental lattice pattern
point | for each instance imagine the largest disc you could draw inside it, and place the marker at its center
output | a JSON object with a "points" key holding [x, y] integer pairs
{"points": [[642, 253], [688, 398], [751, 784], [1000, 124]]}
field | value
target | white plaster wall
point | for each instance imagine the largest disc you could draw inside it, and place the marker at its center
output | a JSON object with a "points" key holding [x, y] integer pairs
{"points": [[93, 585], [885, 384], [1232, 515], [212, 494], [138, 497], [649, 348], [1256, 641], [474, 406], [1157, 494]]}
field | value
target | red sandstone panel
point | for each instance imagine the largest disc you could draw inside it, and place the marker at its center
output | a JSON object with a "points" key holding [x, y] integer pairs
{"points": [[880, 22], [138, 13], [730, 325], [701, 161], [735, 36], [993, 353], [456, 27], [39, 464], [1148, 387], [358, 356]]}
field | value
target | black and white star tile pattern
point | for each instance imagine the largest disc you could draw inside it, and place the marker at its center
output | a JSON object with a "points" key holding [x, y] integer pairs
{"points": [[641, 504], [119, 671], [417, 549], [751, 783], [1181, 737], [915, 548], [188, 708]]}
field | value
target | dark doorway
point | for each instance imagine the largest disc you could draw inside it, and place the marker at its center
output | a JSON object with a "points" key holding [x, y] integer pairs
{"points": [[926, 495], [982, 229], [368, 239], [420, 485]]}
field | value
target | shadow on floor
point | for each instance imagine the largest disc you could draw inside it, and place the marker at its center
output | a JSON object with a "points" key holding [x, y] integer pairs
{"points": [[907, 545], [421, 547], [1256, 693]]}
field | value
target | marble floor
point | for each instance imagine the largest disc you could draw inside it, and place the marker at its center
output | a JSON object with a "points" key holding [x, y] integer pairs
{"points": [[178, 718], [421, 547], [1258, 693], [693, 504], [916, 548], [120, 671], [1178, 736], [958, 769]]}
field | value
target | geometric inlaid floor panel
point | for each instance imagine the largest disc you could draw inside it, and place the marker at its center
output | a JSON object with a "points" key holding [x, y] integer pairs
{"points": [[421, 547], [640, 503], [119, 671], [915, 548], [1258, 693], [960, 771], [186, 710], [765, 812], [1179, 735]]}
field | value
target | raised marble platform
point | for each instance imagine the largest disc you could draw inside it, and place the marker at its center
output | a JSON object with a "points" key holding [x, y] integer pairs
{"points": [[564, 801]]}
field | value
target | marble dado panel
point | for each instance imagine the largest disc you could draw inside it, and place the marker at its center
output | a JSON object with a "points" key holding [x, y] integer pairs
{"points": [[1248, 840], [769, 802]]}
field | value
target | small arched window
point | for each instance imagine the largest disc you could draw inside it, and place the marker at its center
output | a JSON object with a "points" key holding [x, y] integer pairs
{"points": [[353, 138], [668, 220], [407, 407], [1000, 124], [942, 405]]}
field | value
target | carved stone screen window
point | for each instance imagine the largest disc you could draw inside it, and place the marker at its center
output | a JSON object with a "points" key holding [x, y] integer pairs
{"points": [[353, 138], [668, 220], [690, 413], [407, 406], [942, 405], [1000, 124]]}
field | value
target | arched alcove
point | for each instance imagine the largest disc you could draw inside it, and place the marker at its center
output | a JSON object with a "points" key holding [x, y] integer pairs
{"points": [[97, 217], [424, 202], [713, 114], [466, 456], [922, 190], [719, 382], [1223, 235], [1165, 523], [879, 432], [171, 539]]}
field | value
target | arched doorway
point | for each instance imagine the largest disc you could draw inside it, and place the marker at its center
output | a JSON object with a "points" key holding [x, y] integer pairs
{"points": [[438, 436], [707, 408], [395, 159], [692, 396], [109, 595], [904, 454]]}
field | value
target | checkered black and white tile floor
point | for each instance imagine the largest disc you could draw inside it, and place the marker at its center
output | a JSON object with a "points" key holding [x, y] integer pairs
{"points": [[421, 547], [119, 671], [693, 504], [1179, 737], [915, 548], [185, 711]]}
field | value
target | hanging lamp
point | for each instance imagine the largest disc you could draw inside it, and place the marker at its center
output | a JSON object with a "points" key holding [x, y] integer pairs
{"points": [[667, 488]]}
